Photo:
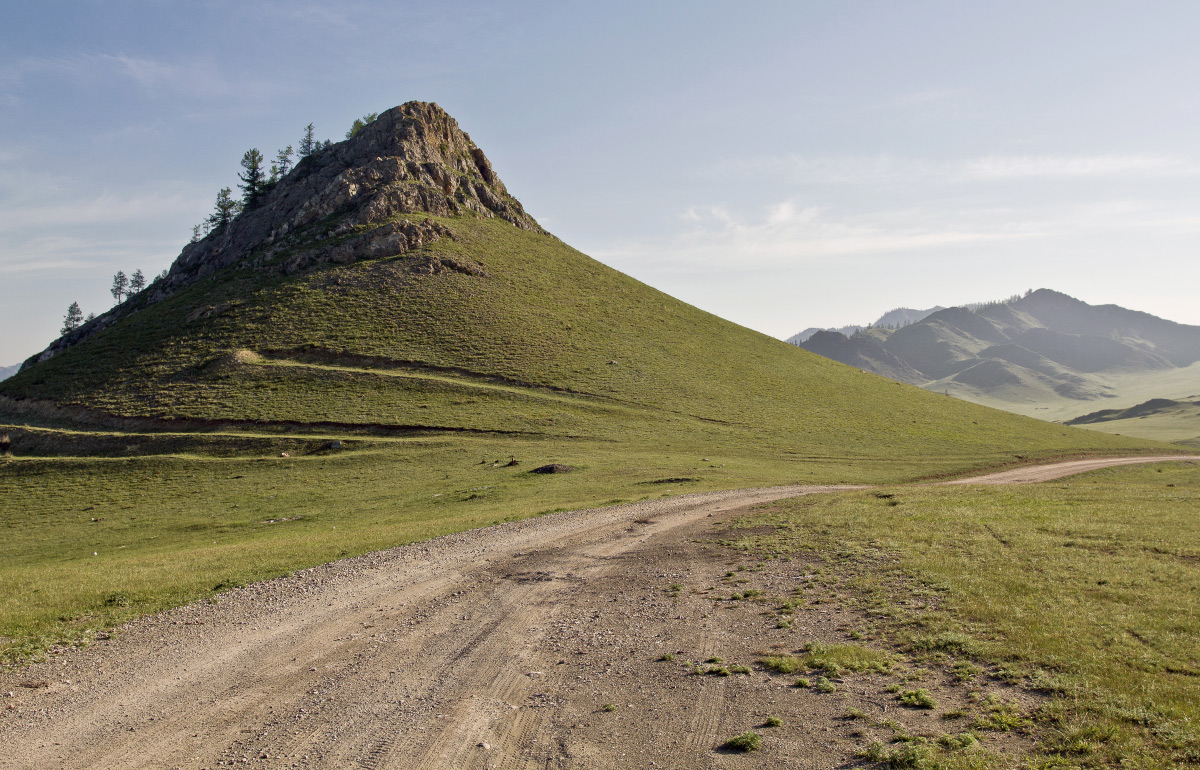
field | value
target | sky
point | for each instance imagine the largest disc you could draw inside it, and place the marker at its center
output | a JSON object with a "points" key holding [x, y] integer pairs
{"points": [[780, 164]]}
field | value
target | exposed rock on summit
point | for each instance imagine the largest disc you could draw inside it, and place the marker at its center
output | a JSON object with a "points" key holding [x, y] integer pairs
{"points": [[347, 202]]}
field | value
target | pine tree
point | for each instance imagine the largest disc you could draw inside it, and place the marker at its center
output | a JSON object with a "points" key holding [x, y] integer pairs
{"points": [[162, 276], [307, 144], [283, 161], [196, 229], [253, 181], [226, 209], [361, 123], [73, 318], [120, 286], [137, 282]]}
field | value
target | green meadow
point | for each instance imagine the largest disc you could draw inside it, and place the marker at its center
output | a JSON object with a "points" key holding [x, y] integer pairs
{"points": [[190, 446], [172, 518], [1083, 591]]}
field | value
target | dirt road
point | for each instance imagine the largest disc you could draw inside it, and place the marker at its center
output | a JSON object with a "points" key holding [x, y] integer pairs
{"points": [[533, 644]]}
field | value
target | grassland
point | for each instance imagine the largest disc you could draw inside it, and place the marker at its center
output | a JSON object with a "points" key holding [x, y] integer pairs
{"points": [[1131, 388], [173, 517], [1178, 422], [167, 427], [1085, 591]]}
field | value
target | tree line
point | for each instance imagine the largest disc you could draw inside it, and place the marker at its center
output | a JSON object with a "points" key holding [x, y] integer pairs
{"points": [[254, 182], [123, 287]]}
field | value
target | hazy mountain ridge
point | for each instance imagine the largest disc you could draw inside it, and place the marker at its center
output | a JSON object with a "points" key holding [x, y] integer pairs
{"points": [[8, 371], [898, 317], [1040, 347]]}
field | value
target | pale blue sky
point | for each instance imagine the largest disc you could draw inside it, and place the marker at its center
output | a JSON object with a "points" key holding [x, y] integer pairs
{"points": [[781, 164]]}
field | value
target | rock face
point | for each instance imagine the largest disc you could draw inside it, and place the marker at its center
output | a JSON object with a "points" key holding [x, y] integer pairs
{"points": [[343, 203]]}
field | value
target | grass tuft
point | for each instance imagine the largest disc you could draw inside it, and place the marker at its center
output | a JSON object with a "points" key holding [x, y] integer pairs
{"points": [[746, 742]]}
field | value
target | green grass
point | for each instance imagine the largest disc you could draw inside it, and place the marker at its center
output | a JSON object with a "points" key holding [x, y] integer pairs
{"points": [[831, 659], [548, 343], [747, 741], [1131, 388], [1085, 591], [170, 528], [1179, 423], [429, 380], [919, 699]]}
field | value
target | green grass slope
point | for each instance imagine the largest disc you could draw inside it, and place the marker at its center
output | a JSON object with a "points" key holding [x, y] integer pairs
{"points": [[540, 341], [1162, 419]]}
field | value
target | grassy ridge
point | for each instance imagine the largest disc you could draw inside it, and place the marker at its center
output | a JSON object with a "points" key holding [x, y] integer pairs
{"points": [[543, 316], [1086, 589]]}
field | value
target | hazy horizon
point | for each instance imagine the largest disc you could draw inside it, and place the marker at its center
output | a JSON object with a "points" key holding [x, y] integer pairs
{"points": [[781, 165]]}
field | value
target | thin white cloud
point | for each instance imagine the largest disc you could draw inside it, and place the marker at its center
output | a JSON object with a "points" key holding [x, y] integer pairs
{"points": [[43, 264], [77, 254], [887, 169], [788, 233], [196, 78], [1074, 167], [105, 208]]}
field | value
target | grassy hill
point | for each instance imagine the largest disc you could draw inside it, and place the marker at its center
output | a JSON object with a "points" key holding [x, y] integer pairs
{"points": [[1158, 418], [378, 353], [540, 342]]}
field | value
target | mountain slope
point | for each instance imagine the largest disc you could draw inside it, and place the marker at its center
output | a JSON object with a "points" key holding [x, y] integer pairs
{"points": [[391, 283], [1043, 351], [1158, 418], [901, 316]]}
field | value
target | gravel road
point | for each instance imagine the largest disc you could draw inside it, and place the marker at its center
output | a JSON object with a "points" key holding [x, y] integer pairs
{"points": [[531, 644]]}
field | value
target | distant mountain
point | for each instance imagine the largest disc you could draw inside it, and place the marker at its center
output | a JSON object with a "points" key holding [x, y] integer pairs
{"points": [[1159, 418], [804, 336], [1146, 409], [1044, 347], [8, 371], [893, 318], [863, 352]]}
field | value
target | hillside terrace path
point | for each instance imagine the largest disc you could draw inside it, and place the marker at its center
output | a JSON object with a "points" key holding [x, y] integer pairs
{"points": [[531, 644]]}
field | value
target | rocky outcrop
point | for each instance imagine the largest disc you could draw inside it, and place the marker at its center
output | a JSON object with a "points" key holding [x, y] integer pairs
{"points": [[353, 200]]}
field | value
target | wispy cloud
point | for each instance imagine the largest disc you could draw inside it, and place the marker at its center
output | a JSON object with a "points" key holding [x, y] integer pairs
{"points": [[84, 254], [887, 169], [1074, 167], [197, 78], [105, 208], [51, 228], [789, 233]]}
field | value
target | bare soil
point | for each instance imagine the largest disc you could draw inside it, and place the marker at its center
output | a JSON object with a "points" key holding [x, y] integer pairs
{"points": [[533, 644]]}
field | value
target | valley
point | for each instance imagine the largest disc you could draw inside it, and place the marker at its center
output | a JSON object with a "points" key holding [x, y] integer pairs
{"points": [[648, 633]]}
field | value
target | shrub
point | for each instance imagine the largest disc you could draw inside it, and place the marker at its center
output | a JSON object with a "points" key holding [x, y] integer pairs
{"points": [[918, 699], [747, 741]]}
